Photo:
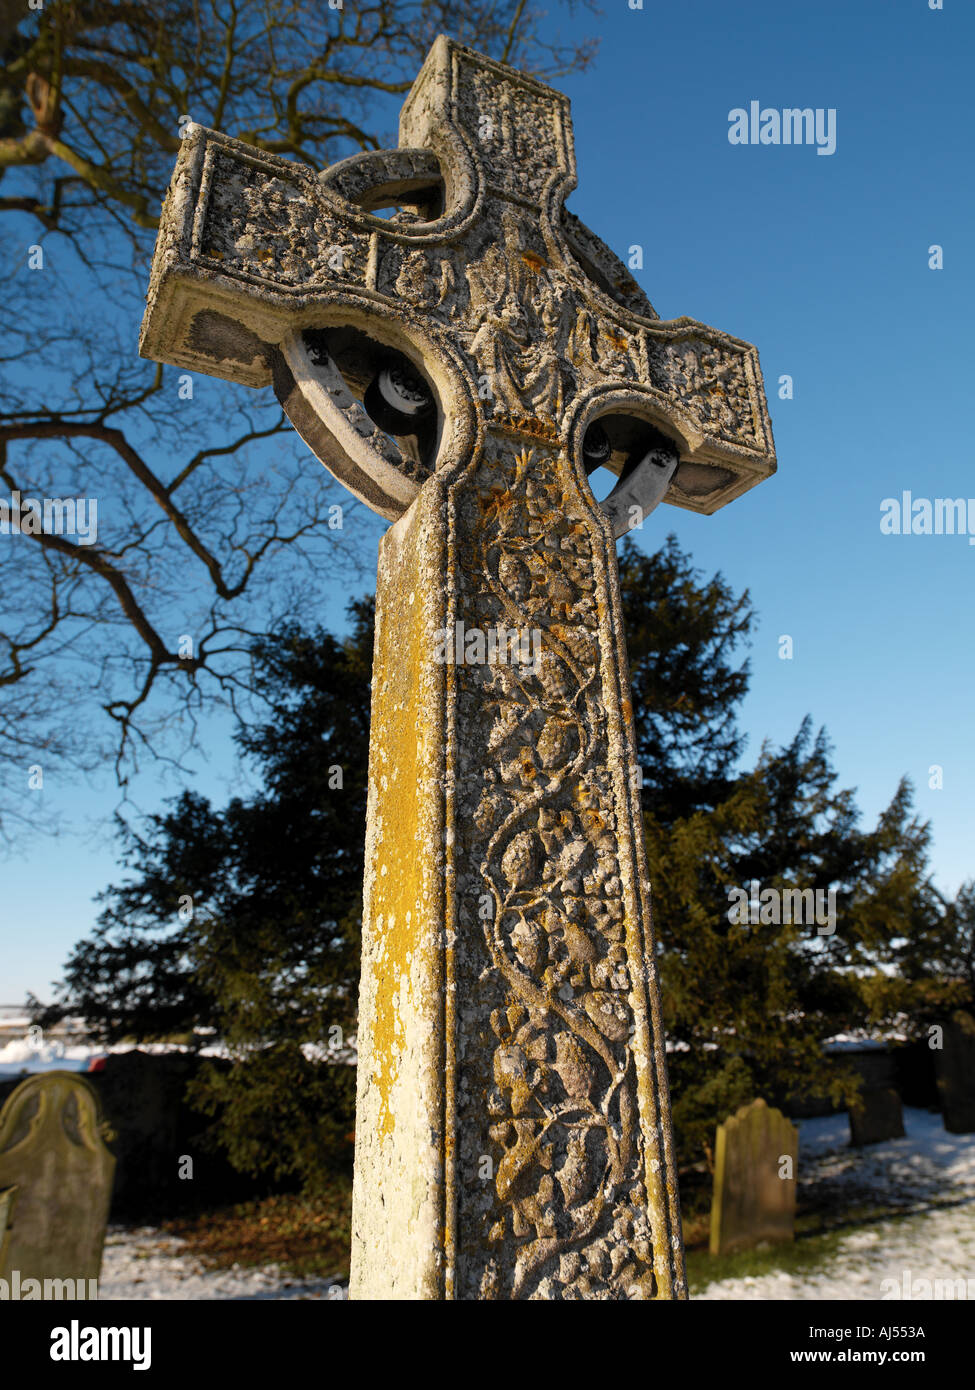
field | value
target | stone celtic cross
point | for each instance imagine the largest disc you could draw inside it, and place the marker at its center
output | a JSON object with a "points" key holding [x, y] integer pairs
{"points": [[461, 366]]}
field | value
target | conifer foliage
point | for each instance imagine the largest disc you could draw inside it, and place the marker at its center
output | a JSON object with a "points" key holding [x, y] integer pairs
{"points": [[247, 920]]}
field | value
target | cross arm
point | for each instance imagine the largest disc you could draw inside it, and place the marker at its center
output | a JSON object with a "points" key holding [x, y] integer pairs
{"points": [[256, 252]]}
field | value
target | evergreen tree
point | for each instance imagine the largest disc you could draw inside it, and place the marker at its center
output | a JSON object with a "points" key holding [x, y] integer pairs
{"points": [[248, 920], [749, 996], [682, 637]]}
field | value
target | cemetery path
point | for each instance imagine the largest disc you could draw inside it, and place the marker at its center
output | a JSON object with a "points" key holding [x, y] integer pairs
{"points": [[927, 1165], [144, 1263]]}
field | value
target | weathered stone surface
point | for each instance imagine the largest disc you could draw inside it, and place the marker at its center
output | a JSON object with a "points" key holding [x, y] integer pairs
{"points": [[954, 1065], [878, 1113], [53, 1156], [7, 1195], [485, 282], [754, 1190], [512, 1134], [511, 1125]]}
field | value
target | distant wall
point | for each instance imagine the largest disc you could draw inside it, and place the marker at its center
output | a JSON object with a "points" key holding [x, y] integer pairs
{"points": [[906, 1067], [915, 1076], [142, 1097]]}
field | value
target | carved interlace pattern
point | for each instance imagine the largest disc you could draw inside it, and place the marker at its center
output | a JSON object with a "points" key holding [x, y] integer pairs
{"points": [[535, 338], [275, 228], [541, 944], [517, 131], [713, 380]]}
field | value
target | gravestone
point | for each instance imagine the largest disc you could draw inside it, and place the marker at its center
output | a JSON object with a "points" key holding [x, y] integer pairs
{"points": [[877, 1113], [53, 1156], [915, 1078], [954, 1065], [756, 1154], [7, 1197], [462, 366]]}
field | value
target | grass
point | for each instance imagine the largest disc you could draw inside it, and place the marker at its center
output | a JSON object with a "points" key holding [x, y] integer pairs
{"points": [[310, 1237], [789, 1257], [305, 1236]]}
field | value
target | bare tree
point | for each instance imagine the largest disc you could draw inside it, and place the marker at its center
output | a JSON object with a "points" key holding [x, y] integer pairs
{"points": [[94, 92], [211, 524]]}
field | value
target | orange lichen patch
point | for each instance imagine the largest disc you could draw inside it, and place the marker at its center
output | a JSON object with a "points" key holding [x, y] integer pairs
{"points": [[619, 343], [495, 500], [593, 821], [526, 425], [397, 882], [534, 262], [565, 636]]}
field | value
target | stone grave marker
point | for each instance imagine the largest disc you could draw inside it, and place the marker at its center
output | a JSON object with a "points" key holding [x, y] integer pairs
{"points": [[756, 1155], [7, 1197], [954, 1065], [877, 1113], [462, 366], [55, 1163]]}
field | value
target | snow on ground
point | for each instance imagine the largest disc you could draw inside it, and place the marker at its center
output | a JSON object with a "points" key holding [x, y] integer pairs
{"points": [[146, 1263], [919, 1256], [892, 1260], [22, 1057], [928, 1166]]}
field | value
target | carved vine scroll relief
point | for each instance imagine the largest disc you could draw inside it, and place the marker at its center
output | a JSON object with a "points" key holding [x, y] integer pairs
{"points": [[511, 1136], [549, 952]]}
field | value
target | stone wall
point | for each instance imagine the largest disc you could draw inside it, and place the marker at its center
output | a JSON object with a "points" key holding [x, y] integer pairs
{"points": [[143, 1101]]}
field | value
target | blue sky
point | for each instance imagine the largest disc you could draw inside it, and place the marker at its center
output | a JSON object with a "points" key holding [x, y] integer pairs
{"points": [[822, 262]]}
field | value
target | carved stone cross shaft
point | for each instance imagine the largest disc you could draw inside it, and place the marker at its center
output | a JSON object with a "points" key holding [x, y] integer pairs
{"points": [[460, 366]]}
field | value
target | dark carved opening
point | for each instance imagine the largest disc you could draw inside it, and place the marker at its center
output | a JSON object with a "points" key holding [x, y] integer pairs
{"points": [[629, 465], [420, 205], [626, 440], [71, 1119], [392, 388]]}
